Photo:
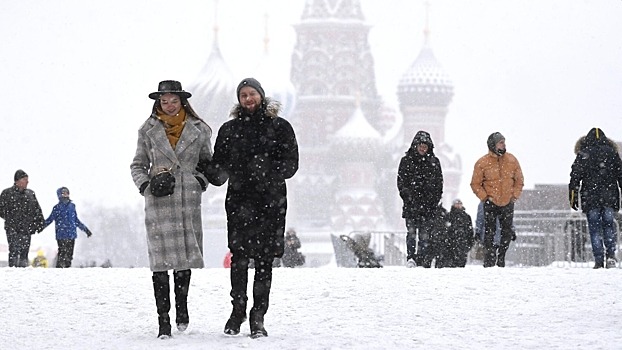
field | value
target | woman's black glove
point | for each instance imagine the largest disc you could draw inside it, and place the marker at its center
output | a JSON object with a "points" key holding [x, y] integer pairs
{"points": [[143, 187], [202, 183]]}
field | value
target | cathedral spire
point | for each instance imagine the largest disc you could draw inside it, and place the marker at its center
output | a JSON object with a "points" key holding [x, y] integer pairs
{"points": [[266, 38], [426, 29], [216, 28]]}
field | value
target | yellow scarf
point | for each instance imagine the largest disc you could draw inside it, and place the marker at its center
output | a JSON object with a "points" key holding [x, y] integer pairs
{"points": [[173, 125]]}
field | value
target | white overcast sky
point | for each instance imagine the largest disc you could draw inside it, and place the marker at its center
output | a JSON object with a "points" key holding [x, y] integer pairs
{"points": [[76, 75]]}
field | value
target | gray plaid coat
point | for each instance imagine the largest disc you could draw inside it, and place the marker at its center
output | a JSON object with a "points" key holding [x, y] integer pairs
{"points": [[173, 223]]}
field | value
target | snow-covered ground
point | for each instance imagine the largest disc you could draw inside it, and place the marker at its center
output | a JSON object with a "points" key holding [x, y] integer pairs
{"points": [[322, 308]]}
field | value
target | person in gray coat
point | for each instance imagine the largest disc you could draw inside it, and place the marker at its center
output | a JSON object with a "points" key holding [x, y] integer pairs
{"points": [[171, 142], [256, 151]]}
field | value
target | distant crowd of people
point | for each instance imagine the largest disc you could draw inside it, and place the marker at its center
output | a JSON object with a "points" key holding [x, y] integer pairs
{"points": [[497, 181]]}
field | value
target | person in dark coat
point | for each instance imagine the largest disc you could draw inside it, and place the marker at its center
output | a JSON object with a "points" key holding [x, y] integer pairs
{"points": [[595, 181], [171, 142], [256, 151], [440, 241], [66, 221], [420, 183], [22, 216], [460, 235], [291, 256]]}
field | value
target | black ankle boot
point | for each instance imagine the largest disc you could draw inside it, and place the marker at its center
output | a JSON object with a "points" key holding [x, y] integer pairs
{"points": [[165, 327], [501, 260], [490, 257], [256, 323], [232, 327]]}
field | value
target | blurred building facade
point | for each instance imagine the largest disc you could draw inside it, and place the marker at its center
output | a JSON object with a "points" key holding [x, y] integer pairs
{"points": [[350, 139]]}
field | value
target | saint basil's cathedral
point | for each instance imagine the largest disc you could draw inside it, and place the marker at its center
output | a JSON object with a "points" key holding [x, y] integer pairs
{"points": [[350, 140]]}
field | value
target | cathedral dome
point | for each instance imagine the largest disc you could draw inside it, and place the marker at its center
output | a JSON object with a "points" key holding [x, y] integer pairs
{"points": [[357, 139], [275, 81], [213, 91], [425, 83]]}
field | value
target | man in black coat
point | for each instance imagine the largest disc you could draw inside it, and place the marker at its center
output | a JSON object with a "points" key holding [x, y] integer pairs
{"points": [[595, 179], [22, 216], [420, 183], [256, 151]]}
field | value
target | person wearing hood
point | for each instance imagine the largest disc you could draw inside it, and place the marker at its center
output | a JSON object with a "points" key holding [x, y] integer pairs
{"points": [[171, 142], [460, 235], [292, 257], [498, 182], [256, 151], [66, 221], [420, 184], [22, 216], [595, 182]]}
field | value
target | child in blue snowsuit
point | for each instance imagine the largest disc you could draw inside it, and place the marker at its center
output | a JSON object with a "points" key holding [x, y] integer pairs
{"points": [[66, 218]]}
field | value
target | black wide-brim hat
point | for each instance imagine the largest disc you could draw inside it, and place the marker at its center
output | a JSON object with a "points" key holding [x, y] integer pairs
{"points": [[169, 87]]}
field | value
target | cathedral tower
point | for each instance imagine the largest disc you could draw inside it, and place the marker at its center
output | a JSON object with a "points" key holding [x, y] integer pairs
{"points": [[331, 65], [424, 93]]}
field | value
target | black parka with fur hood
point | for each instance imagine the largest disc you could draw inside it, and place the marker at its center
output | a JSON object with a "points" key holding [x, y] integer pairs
{"points": [[256, 153], [597, 172]]}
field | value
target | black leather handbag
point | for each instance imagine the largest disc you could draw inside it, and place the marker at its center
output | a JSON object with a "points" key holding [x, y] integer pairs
{"points": [[162, 184]]}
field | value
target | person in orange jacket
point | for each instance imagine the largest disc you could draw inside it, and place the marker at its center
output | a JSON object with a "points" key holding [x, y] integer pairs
{"points": [[498, 182]]}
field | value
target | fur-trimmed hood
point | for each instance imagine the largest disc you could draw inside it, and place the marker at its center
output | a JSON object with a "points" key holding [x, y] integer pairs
{"points": [[581, 144], [270, 106]]}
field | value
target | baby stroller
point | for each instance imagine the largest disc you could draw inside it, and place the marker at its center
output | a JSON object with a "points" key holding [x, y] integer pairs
{"points": [[359, 245]]}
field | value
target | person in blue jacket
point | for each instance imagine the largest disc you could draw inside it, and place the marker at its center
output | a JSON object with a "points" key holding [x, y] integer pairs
{"points": [[66, 218]]}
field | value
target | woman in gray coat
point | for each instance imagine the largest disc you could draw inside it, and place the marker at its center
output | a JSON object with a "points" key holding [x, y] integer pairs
{"points": [[171, 142]]}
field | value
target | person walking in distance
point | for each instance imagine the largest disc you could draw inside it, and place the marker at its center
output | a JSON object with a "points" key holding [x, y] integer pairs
{"points": [[292, 257], [256, 151], [595, 182], [420, 183], [498, 182], [171, 142], [22, 216], [66, 221], [460, 234]]}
